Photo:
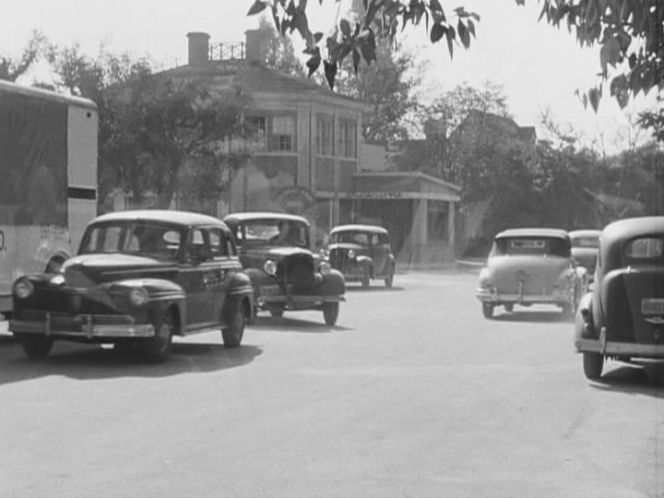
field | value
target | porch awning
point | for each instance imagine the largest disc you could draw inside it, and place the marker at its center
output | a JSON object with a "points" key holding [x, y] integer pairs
{"points": [[401, 185]]}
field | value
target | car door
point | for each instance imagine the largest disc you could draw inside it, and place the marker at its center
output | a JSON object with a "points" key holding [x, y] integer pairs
{"points": [[221, 269], [195, 278]]}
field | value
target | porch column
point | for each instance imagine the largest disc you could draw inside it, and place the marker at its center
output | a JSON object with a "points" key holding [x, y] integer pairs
{"points": [[451, 228]]}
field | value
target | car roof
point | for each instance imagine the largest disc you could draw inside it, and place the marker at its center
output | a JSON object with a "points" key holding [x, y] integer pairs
{"points": [[162, 215], [628, 228], [358, 228], [262, 215], [585, 232], [533, 232]]}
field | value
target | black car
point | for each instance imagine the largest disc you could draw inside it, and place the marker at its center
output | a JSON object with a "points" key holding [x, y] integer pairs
{"points": [[275, 249], [362, 253], [622, 318], [139, 278]]}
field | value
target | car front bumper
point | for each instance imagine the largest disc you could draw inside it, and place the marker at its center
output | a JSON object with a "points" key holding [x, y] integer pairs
{"points": [[611, 348], [83, 326]]}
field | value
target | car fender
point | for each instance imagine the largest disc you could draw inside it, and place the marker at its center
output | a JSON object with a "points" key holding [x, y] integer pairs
{"points": [[333, 283], [584, 329], [241, 292], [163, 294], [364, 261]]}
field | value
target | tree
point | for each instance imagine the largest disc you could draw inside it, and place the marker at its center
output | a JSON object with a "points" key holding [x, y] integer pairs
{"points": [[155, 133], [280, 52], [11, 69], [629, 32]]}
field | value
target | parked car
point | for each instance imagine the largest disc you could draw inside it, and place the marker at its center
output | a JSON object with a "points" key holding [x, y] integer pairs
{"points": [[275, 249], [139, 278], [362, 253], [584, 249], [529, 266], [623, 317]]}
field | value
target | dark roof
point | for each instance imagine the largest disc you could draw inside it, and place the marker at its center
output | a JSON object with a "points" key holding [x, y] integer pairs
{"points": [[162, 215], [263, 215], [254, 77], [359, 228], [634, 227], [533, 232]]}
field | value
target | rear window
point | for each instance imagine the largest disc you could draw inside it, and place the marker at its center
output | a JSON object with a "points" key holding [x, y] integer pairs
{"points": [[531, 245], [646, 248], [590, 242]]}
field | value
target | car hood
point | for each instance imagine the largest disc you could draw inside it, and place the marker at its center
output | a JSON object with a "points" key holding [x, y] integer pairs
{"points": [[256, 257], [88, 269]]}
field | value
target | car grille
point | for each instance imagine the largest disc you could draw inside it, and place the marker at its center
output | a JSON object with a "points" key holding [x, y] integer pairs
{"points": [[72, 301], [338, 258], [296, 273]]}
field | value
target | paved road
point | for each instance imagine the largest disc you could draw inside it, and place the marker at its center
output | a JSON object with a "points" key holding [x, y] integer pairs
{"points": [[413, 394]]}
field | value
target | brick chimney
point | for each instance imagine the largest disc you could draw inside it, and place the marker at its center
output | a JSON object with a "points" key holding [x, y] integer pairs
{"points": [[256, 45], [199, 48]]}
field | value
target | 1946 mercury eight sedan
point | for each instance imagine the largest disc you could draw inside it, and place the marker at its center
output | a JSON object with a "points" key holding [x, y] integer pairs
{"points": [[529, 266], [139, 278], [623, 316]]}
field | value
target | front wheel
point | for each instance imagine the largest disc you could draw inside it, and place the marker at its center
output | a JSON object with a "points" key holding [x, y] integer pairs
{"points": [[487, 310], [509, 307], [233, 332], [331, 312], [389, 281], [36, 348], [158, 348], [592, 365], [277, 311]]}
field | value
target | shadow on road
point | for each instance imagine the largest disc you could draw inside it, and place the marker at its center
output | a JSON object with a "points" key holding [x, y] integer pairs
{"points": [[638, 378], [372, 288], [288, 324], [532, 316], [85, 362]]}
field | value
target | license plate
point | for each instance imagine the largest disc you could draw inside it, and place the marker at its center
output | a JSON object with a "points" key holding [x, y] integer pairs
{"points": [[652, 306]]}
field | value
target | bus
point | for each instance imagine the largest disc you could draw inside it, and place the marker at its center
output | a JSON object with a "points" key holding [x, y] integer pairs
{"points": [[48, 180]]}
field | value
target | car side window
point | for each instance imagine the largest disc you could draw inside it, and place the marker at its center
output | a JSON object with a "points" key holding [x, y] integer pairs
{"points": [[199, 248], [374, 239], [218, 246]]}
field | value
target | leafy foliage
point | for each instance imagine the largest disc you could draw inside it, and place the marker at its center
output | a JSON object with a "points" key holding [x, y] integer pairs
{"points": [[357, 40], [11, 69]]}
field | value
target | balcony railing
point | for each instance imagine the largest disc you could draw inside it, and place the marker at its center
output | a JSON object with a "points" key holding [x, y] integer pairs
{"points": [[226, 51]]}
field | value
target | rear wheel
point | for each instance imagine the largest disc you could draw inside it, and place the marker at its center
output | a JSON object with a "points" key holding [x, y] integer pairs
{"points": [[389, 281], [277, 311], [487, 310], [593, 363], [330, 312], [233, 332], [366, 278], [36, 348], [509, 307], [158, 348]]}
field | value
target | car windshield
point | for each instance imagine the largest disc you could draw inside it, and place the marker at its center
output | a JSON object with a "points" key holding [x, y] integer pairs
{"points": [[585, 242], [156, 240], [551, 246], [350, 236], [272, 232]]}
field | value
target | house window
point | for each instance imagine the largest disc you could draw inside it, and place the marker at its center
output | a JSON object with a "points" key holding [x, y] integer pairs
{"points": [[325, 136], [347, 138], [271, 133], [257, 128], [282, 133]]}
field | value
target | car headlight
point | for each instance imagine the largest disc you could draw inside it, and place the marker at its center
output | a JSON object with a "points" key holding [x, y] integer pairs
{"points": [[351, 254], [270, 267], [23, 288], [485, 274], [138, 296]]}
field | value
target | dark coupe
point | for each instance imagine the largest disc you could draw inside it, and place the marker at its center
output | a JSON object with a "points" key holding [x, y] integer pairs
{"points": [[139, 278], [362, 253], [623, 317], [275, 249]]}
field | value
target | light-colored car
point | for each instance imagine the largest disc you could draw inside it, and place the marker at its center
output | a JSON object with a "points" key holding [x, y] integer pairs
{"points": [[529, 266], [623, 317], [585, 244]]}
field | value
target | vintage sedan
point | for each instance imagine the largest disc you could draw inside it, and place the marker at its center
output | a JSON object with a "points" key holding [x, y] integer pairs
{"points": [[623, 316], [139, 278], [584, 249], [529, 266], [275, 249], [362, 253]]}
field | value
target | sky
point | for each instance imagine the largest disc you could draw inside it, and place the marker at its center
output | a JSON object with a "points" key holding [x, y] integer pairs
{"points": [[539, 67]]}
